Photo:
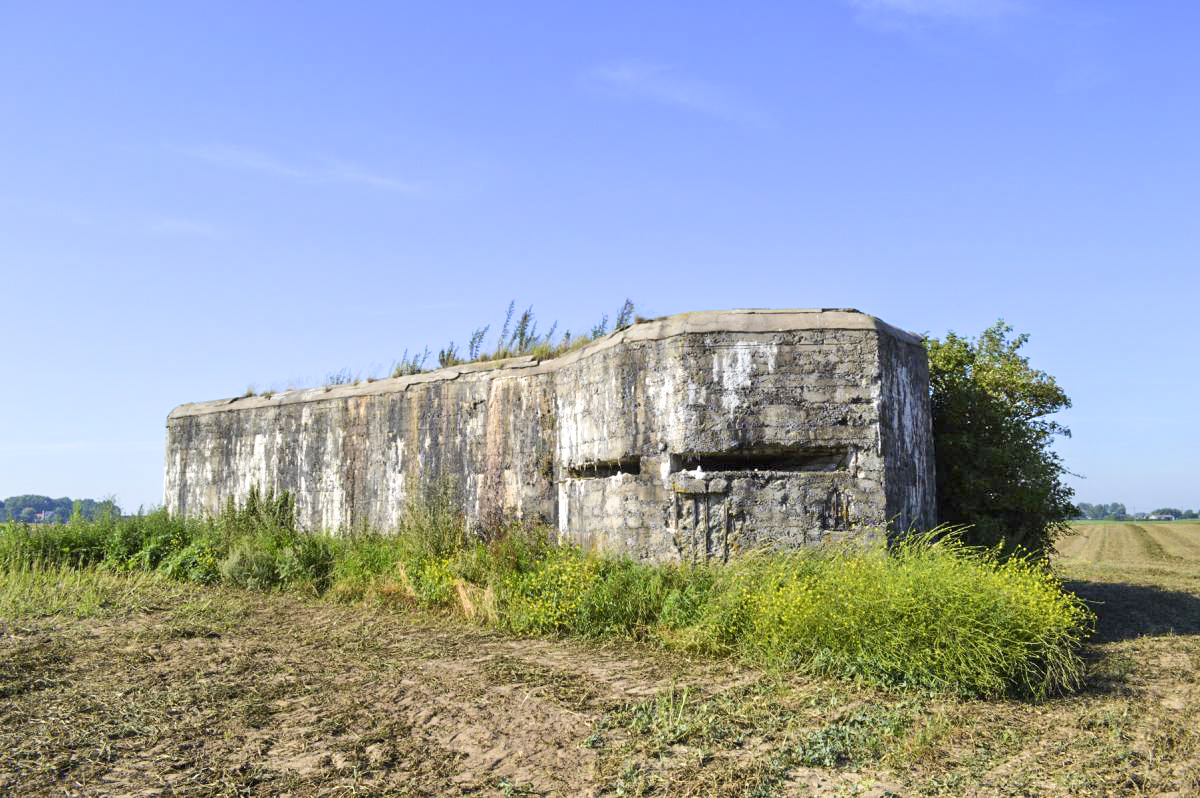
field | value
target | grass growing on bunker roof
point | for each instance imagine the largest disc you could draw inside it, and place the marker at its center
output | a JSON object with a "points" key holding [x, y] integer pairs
{"points": [[930, 613], [518, 337]]}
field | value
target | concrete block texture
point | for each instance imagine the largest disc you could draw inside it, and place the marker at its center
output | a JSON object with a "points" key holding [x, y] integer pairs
{"points": [[690, 437]]}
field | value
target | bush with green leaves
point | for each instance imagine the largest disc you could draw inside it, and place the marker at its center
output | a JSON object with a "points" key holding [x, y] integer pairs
{"points": [[992, 431]]}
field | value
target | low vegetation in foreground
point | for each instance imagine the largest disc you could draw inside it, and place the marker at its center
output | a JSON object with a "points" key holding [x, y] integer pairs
{"points": [[120, 680], [930, 613]]}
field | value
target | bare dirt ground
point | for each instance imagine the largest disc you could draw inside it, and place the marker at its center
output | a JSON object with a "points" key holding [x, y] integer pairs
{"points": [[207, 692]]}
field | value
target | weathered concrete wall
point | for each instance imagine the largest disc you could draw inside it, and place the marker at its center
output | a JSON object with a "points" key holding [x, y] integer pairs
{"points": [[687, 437]]}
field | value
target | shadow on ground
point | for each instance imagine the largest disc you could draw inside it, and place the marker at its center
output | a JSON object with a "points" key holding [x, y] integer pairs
{"points": [[1125, 611]]}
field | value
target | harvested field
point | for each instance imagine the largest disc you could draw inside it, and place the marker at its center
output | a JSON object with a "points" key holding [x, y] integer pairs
{"points": [[1173, 545], [139, 686]]}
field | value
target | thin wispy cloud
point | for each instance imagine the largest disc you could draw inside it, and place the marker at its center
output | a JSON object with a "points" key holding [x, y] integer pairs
{"points": [[667, 86], [78, 446], [1065, 44], [963, 10], [180, 226], [325, 170], [110, 220], [139, 224]]}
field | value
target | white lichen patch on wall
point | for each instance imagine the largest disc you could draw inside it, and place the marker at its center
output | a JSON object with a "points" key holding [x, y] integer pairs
{"points": [[734, 368]]}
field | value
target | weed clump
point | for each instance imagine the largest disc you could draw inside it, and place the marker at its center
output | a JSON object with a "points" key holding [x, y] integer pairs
{"points": [[930, 613], [254, 544], [518, 337]]}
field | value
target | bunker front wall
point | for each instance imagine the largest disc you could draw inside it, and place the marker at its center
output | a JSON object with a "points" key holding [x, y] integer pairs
{"points": [[670, 440]]}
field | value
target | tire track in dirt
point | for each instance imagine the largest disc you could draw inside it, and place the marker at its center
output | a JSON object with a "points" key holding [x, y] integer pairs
{"points": [[302, 697], [1120, 544], [1132, 543], [1083, 543], [1179, 540], [1149, 550], [1113, 544], [500, 711]]}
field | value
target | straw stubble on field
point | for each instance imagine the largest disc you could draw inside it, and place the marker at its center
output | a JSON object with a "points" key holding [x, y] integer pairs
{"points": [[141, 686]]}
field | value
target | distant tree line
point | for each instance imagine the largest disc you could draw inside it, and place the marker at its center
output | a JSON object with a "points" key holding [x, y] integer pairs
{"points": [[1117, 512], [45, 510]]}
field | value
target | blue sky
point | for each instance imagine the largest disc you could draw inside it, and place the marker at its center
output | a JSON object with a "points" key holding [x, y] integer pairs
{"points": [[200, 197]]}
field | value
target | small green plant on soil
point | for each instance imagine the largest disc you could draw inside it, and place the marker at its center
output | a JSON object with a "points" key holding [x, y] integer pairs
{"points": [[929, 612]]}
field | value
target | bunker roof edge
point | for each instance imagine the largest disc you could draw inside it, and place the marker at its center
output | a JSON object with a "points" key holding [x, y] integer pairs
{"points": [[745, 320]]}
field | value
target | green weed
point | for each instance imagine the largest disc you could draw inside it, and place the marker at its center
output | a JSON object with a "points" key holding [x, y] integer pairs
{"points": [[930, 612], [518, 336], [35, 591], [856, 737]]}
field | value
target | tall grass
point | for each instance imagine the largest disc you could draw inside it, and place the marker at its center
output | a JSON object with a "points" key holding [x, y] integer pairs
{"points": [[929, 613], [255, 544], [44, 591], [518, 336]]}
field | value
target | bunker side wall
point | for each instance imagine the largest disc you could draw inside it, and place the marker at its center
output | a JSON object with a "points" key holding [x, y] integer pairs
{"points": [[907, 436], [355, 460]]}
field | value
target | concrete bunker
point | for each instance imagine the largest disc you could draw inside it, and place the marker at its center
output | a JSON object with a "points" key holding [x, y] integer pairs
{"points": [[689, 437]]}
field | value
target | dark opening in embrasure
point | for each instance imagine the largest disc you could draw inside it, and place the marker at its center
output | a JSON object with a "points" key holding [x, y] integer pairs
{"points": [[597, 469], [775, 458]]}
